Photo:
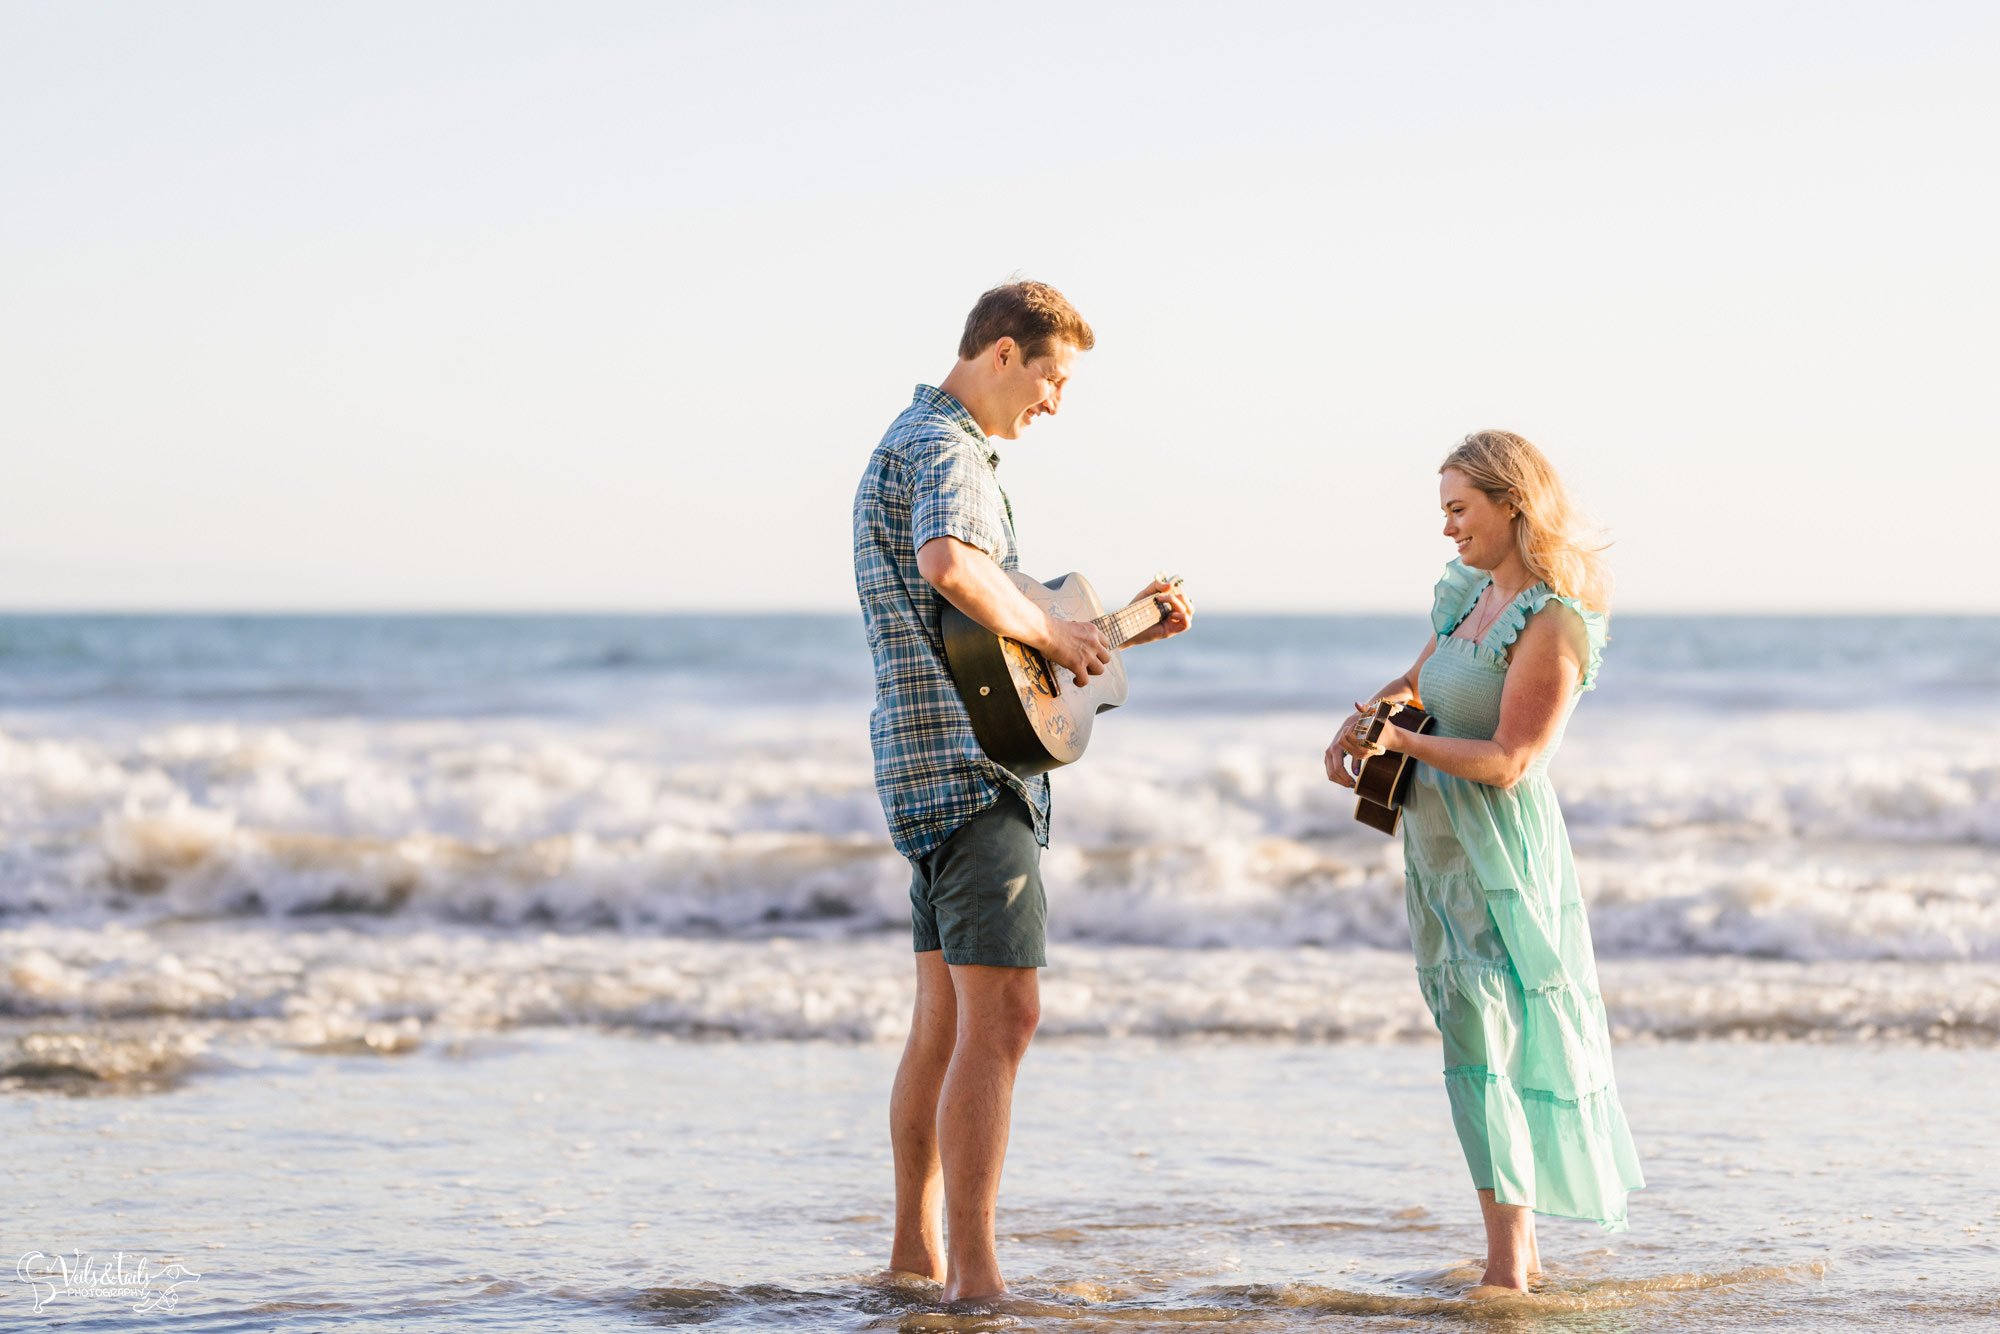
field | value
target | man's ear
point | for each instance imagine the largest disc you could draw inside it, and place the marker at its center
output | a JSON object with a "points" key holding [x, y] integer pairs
{"points": [[1004, 350]]}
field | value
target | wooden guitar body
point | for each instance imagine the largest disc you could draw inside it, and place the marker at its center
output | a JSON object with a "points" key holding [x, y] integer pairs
{"points": [[1025, 718]]}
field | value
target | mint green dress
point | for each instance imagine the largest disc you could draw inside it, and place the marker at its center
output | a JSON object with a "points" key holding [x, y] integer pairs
{"points": [[1502, 945]]}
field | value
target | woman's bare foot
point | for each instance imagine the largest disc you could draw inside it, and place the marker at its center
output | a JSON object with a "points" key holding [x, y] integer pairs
{"points": [[1513, 1280]]}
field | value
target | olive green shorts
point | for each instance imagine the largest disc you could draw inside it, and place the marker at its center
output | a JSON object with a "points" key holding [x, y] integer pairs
{"points": [[978, 895]]}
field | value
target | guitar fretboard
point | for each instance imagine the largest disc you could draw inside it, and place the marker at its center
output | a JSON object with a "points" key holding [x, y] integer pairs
{"points": [[1122, 625]]}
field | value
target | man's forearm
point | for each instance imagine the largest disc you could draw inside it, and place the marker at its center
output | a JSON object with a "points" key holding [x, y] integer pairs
{"points": [[983, 591]]}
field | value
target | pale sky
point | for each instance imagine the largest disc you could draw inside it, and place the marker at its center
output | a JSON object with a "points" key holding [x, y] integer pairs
{"points": [[603, 305]]}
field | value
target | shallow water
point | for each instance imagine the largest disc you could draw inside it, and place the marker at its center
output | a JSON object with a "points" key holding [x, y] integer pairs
{"points": [[567, 1179]]}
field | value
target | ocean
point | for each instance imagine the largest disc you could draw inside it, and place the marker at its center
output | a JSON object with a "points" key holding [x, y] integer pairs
{"points": [[294, 895]]}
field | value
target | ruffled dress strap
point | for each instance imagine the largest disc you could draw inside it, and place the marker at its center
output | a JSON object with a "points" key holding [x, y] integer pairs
{"points": [[1507, 629], [1455, 593]]}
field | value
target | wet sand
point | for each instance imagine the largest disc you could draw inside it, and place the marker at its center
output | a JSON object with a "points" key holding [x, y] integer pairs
{"points": [[571, 1179]]}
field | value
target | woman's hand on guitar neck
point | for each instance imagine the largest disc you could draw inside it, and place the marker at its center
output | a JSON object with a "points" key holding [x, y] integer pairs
{"points": [[1336, 758], [1347, 741]]}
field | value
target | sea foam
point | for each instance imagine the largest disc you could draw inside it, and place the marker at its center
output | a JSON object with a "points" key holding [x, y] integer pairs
{"points": [[179, 989], [1192, 836]]}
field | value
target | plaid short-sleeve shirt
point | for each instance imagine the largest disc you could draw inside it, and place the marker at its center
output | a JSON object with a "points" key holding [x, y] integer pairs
{"points": [[933, 475]]}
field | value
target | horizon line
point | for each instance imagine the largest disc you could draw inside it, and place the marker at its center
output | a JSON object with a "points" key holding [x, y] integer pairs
{"points": [[638, 611]]}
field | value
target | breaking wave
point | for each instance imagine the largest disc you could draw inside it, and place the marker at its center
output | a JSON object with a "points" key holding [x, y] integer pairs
{"points": [[1174, 837]]}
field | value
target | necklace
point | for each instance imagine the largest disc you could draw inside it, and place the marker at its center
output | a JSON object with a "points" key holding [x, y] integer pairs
{"points": [[1479, 635]]}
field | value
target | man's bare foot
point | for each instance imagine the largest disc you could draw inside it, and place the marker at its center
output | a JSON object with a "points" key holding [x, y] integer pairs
{"points": [[906, 1267], [956, 1291], [1488, 1291]]}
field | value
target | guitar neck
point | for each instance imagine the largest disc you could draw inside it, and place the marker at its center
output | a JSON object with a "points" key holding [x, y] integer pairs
{"points": [[1127, 623]]}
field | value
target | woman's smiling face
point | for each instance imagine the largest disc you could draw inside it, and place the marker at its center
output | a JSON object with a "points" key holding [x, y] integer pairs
{"points": [[1481, 528]]}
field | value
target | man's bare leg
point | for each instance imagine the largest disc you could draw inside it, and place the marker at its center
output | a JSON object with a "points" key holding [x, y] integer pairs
{"points": [[998, 1009], [913, 1122]]}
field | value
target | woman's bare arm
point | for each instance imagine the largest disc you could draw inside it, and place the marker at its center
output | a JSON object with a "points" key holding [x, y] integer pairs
{"points": [[1542, 674]]}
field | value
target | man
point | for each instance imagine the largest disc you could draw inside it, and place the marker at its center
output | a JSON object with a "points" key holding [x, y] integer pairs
{"points": [[931, 523]]}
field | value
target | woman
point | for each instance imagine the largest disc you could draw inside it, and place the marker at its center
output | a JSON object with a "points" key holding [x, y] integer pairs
{"points": [[1502, 945]]}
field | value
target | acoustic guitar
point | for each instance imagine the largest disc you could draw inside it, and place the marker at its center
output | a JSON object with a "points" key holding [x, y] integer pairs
{"points": [[1383, 781], [1025, 718]]}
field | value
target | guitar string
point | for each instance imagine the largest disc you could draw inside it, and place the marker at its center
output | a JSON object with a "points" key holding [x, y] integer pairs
{"points": [[1117, 622], [1124, 623], [1115, 627]]}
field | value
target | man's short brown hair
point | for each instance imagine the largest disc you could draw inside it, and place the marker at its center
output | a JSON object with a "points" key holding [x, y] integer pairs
{"points": [[1032, 314]]}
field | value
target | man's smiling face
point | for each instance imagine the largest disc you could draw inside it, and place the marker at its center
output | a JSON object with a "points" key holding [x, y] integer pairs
{"points": [[1035, 386]]}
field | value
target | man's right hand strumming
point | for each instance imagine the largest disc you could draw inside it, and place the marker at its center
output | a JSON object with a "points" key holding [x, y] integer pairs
{"points": [[970, 579], [1077, 646]]}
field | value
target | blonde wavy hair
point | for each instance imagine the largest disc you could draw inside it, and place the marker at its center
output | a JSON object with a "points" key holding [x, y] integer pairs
{"points": [[1556, 542]]}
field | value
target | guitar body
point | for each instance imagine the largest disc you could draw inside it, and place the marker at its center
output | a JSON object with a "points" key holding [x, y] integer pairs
{"points": [[1025, 719], [1383, 782]]}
